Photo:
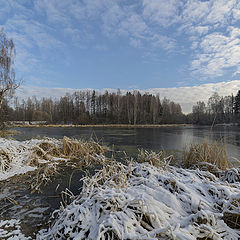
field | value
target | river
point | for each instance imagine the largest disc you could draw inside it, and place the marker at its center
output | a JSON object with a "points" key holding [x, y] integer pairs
{"points": [[156, 139]]}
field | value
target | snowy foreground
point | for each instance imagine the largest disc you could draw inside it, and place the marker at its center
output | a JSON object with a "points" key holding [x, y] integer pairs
{"points": [[17, 157], [141, 201]]}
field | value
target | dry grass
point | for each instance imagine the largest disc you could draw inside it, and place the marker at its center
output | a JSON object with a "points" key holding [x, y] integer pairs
{"points": [[68, 148], [159, 159], [231, 215], [7, 133], [213, 153], [104, 125], [83, 153], [5, 161], [47, 155], [43, 176]]}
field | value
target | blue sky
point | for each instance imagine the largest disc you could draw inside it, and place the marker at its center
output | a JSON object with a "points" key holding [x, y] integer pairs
{"points": [[125, 44]]}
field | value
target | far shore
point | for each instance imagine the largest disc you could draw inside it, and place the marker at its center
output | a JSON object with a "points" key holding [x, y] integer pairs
{"points": [[101, 125]]}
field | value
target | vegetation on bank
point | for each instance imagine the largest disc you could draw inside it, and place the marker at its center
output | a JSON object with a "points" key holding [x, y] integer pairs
{"points": [[8, 82], [142, 198], [219, 109], [15, 124], [213, 153], [141, 201], [43, 156], [6, 133]]}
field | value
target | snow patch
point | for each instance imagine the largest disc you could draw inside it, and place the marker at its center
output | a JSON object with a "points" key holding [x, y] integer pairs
{"points": [[141, 201]]}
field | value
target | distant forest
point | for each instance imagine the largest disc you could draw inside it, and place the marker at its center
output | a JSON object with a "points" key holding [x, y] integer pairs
{"points": [[217, 110], [90, 107]]}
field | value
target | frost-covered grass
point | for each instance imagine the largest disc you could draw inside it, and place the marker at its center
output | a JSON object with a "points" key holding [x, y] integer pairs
{"points": [[148, 199], [15, 157], [43, 155], [11, 230], [141, 201]]}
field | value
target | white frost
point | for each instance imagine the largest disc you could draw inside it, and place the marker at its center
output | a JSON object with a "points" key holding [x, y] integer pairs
{"points": [[11, 230], [141, 201], [15, 156]]}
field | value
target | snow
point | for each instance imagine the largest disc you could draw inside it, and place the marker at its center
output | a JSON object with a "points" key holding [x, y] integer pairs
{"points": [[11, 230], [16, 156], [141, 201]]}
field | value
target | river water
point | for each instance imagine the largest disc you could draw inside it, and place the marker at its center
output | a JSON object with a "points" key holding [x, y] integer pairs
{"points": [[34, 209], [131, 139]]}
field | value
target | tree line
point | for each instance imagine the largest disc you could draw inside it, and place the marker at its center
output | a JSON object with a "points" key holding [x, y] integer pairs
{"points": [[218, 109], [91, 107]]}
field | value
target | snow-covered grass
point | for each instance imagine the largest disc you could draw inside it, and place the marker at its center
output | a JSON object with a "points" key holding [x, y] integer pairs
{"points": [[141, 201], [43, 155], [11, 230], [15, 157], [148, 199]]}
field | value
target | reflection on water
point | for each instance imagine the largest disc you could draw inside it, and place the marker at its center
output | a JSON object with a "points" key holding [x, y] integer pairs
{"points": [[129, 140]]}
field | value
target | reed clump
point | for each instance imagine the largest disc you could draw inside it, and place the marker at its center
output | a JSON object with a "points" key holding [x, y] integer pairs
{"points": [[213, 153], [67, 148], [157, 159], [8, 133], [44, 156], [4, 161]]}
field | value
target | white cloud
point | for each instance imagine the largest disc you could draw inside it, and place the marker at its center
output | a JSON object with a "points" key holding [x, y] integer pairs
{"points": [[54, 10], [186, 96], [209, 29], [194, 11], [217, 53], [162, 12], [221, 12]]}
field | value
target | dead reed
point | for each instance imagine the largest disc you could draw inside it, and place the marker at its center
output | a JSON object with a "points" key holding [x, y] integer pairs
{"points": [[101, 125], [47, 155], [8, 133], [83, 153], [157, 159], [213, 153]]}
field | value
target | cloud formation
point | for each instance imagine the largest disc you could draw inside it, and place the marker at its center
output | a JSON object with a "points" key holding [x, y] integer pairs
{"points": [[208, 31]]}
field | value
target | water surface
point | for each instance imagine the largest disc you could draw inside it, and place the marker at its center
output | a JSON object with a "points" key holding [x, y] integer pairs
{"points": [[130, 140]]}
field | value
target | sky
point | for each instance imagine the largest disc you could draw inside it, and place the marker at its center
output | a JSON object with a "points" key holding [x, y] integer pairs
{"points": [[181, 45]]}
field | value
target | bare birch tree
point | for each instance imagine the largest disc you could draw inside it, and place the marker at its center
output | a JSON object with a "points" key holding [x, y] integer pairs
{"points": [[8, 83]]}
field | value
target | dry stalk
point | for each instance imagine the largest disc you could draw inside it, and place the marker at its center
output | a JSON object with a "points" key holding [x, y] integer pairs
{"points": [[83, 153], [213, 153], [159, 159]]}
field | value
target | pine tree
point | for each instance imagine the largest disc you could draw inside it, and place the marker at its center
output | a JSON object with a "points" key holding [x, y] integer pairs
{"points": [[236, 105]]}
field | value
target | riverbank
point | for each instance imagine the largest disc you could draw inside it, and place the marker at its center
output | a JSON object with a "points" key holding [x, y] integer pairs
{"points": [[101, 125], [145, 198]]}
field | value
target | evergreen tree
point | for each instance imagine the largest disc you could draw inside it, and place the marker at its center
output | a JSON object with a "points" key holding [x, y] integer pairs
{"points": [[236, 105]]}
